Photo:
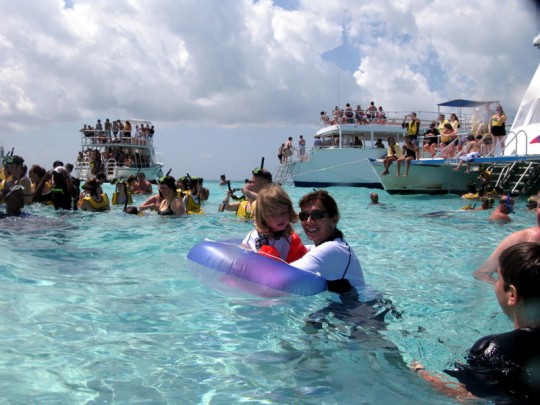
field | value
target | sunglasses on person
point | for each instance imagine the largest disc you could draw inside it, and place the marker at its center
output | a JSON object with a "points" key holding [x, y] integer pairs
{"points": [[315, 215]]}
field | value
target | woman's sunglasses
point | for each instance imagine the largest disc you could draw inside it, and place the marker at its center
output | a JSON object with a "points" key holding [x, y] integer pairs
{"points": [[315, 215]]}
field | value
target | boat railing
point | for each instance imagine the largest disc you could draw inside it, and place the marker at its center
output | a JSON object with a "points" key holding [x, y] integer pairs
{"points": [[394, 118], [101, 138]]}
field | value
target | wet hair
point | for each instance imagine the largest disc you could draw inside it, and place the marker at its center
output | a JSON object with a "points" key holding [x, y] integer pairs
{"points": [[520, 267], [91, 185], [326, 200], [169, 181], [270, 200], [131, 210], [38, 170], [57, 163]]}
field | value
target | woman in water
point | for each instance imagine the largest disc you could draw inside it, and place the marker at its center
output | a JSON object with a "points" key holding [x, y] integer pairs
{"points": [[331, 256], [171, 203]]}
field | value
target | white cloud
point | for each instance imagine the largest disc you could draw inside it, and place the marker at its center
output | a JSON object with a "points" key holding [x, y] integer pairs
{"points": [[206, 65]]}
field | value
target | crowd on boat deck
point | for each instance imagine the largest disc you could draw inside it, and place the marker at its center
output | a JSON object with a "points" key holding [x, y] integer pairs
{"points": [[118, 132], [122, 156], [357, 116]]}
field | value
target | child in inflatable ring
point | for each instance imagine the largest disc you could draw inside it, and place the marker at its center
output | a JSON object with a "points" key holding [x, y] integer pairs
{"points": [[273, 235]]}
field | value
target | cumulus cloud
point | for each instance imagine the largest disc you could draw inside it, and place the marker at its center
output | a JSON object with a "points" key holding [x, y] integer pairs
{"points": [[254, 63]]}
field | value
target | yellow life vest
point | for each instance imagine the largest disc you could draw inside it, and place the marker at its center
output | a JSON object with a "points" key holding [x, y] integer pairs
{"points": [[192, 207], [115, 198], [98, 206], [242, 212]]}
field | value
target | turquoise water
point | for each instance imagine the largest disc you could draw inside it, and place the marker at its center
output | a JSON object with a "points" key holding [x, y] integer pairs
{"points": [[102, 308]]}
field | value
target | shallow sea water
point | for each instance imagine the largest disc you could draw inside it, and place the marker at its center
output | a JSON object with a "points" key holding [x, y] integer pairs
{"points": [[102, 308]]}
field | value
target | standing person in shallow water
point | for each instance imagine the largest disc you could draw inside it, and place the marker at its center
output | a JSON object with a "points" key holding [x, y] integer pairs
{"points": [[486, 271], [331, 256], [504, 368]]}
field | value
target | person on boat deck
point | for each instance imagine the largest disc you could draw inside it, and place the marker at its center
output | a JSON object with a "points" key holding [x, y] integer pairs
{"points": [[379, 144], [471, 151], [245, 209], [13, 196], [301, 147], [15, 173], [93, 201], [497, 127], [410, 152], [371, 112], [412, 126], [127, 129], [171, 203], [381, 116], [431, 137], [338, 114], [287, 150], [486, 271], [441, 122], [394, 153], [274, 235], [61, 189], [448, 137], [359, 116], [330, 256], [142, 186], [325, 119], [348, 114], [505, 367], [222, 180]]}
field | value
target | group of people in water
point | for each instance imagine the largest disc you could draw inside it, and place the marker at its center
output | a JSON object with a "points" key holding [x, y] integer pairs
{"points": [[498, 366], [506, 364], [58, 188]]}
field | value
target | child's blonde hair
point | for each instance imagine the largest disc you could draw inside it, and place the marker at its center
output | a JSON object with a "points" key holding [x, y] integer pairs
{"points": [[272, 199]]}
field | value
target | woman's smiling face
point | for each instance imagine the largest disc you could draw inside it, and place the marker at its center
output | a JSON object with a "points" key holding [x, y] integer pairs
{"points": [[321, 229]]}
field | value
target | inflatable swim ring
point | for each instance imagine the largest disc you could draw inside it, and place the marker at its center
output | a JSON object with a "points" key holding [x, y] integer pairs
{"points": [[230, 269]]}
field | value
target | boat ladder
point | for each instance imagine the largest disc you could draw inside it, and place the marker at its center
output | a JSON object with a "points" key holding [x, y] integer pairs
{"points": [[111, 168], [519, 178], [85, 170], [283, 173]]}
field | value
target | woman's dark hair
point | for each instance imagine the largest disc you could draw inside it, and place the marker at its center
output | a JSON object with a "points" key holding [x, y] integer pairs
{"points": [[38, 170], [169, 181], [326, 199], [520, 267]]}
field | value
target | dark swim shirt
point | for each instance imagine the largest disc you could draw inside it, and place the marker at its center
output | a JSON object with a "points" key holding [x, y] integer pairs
{"points": [[504, 368]]}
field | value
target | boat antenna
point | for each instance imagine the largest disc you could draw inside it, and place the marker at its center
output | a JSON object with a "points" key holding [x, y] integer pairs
{"points": [[262, 162], [168, 172]]}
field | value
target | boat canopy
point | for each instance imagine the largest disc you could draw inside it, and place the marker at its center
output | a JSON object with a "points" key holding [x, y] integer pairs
{"points": [[460, 103]]}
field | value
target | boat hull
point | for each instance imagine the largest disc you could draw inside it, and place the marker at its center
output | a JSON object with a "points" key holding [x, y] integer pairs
{"points": [[435, 178], [338, 167]]}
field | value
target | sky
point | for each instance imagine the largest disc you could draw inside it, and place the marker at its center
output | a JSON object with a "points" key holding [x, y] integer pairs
{"points": [[225, 82]]}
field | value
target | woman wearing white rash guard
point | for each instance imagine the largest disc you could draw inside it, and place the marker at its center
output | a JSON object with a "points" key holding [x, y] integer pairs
{"points": [[331, 257]]}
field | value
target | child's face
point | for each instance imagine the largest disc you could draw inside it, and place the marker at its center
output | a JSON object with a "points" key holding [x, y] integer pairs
{"points": [[278, 220]]}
